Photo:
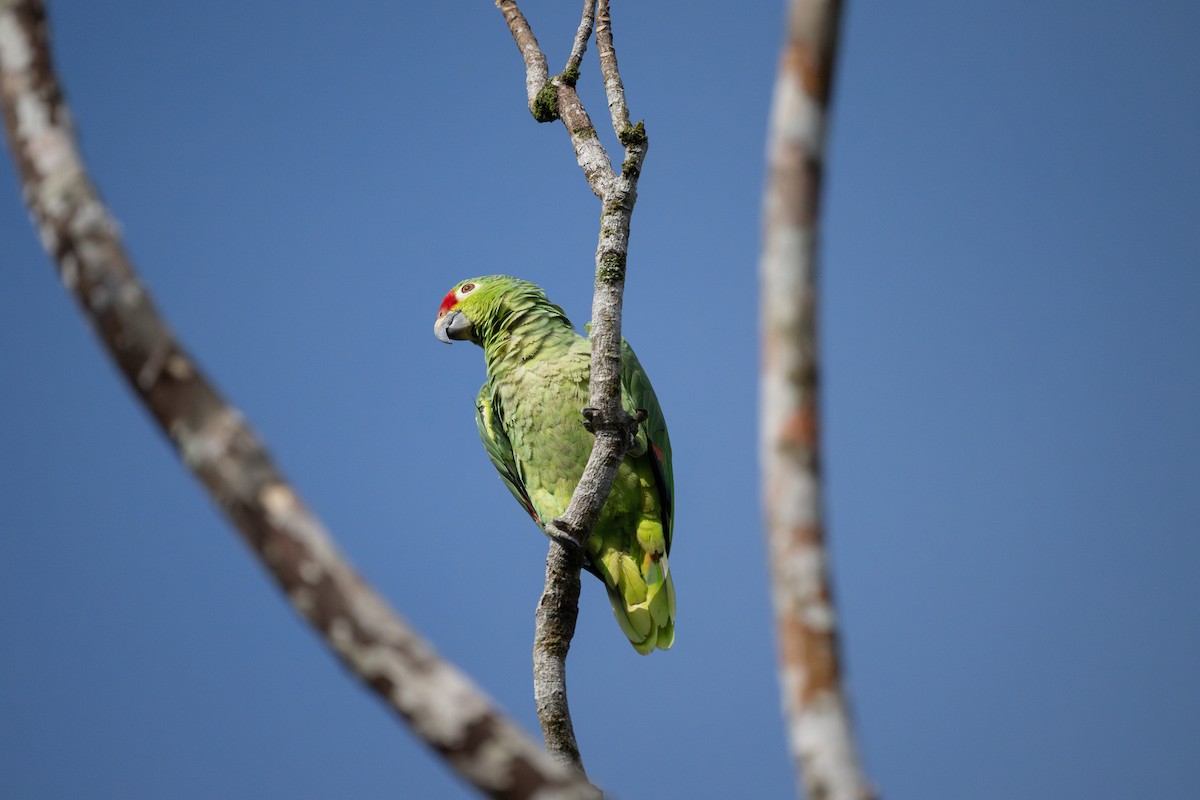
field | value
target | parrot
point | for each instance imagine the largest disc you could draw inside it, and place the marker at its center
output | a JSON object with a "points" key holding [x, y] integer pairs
{"points": [[528, 415]]}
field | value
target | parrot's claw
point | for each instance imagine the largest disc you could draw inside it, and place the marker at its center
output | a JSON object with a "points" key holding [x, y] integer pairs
{"points": [[641, 415], [589, 414], [558, 531]]}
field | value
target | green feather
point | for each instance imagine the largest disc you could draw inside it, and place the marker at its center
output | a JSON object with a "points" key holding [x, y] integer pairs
{"points": [[528, 414], [633, 585]]}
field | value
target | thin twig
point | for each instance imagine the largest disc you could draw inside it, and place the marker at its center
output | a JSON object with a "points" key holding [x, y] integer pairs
{"points": [[819, 724], [581, 37], [440, 703], [612, 426], [614, 90], [536, 71], [556, 98]]}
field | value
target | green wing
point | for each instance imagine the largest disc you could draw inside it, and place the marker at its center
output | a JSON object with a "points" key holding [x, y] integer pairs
{"points": [[637, 393], [490, 420], [653, 440]]}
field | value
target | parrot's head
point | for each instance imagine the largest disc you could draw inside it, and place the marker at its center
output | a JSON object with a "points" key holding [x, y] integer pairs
{"points": [[468, 305], [477, 307]]}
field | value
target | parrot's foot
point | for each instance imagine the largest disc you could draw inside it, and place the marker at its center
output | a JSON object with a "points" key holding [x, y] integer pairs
{"points": [[559, 531], [593, 418]]}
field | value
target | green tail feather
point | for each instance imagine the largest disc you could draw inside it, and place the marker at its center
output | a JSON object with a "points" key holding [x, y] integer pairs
{"points": [[642, 602]]}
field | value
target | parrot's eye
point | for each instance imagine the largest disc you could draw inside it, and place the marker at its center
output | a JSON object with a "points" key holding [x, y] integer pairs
{"points": [[466, 287]]}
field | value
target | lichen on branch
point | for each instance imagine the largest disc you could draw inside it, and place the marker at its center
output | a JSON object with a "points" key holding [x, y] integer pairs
{"points": [[610, 423]]}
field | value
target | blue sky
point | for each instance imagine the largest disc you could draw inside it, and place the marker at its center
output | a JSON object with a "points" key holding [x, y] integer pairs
{"points": [[1010, 302]]}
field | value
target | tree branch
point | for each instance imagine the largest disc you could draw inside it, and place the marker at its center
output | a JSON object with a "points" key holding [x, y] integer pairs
{"points": [[614, 429], [820, 731], [556, 98], [554, 628], [581, 37], [440, 703], [536, 71], [614, 90]]}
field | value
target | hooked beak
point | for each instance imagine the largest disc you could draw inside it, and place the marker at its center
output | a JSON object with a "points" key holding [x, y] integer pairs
{"points": [[454, 325]]}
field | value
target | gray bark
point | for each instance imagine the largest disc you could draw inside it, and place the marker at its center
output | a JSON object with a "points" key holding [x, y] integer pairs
{"points": [[819, 724], [613, 427]]}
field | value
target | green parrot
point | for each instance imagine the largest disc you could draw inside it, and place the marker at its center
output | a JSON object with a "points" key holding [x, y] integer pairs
{"points": [[528, 414]]}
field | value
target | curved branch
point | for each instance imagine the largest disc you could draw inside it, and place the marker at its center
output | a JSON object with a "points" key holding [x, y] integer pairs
{"points": [[536, 71], [556, 98], [440, 703], [613, 428], [554, 628], [820, 731]]}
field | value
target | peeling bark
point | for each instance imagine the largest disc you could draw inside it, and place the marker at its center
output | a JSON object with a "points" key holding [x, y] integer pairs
{"points": [[819, 725], [614, 429], [439, 702]]}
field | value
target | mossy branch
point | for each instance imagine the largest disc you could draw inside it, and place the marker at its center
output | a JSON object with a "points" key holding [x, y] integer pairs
{"points": [[609, 422]]}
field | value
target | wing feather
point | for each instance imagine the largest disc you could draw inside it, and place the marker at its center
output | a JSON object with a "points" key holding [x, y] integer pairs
{"points": [[637, 393], [490, 419]]}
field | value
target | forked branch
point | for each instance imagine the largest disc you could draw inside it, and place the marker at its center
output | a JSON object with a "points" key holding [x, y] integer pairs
{"points": [[612, 426], [819, 725], [440, 703], [555, 98]]}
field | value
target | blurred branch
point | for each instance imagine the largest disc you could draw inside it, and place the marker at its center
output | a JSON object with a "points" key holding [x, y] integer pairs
{"points": [[820, 732], [440, 703], [613, 427]]}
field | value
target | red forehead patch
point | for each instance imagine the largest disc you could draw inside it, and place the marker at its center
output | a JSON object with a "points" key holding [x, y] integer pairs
{"points": [[448, 302]]}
